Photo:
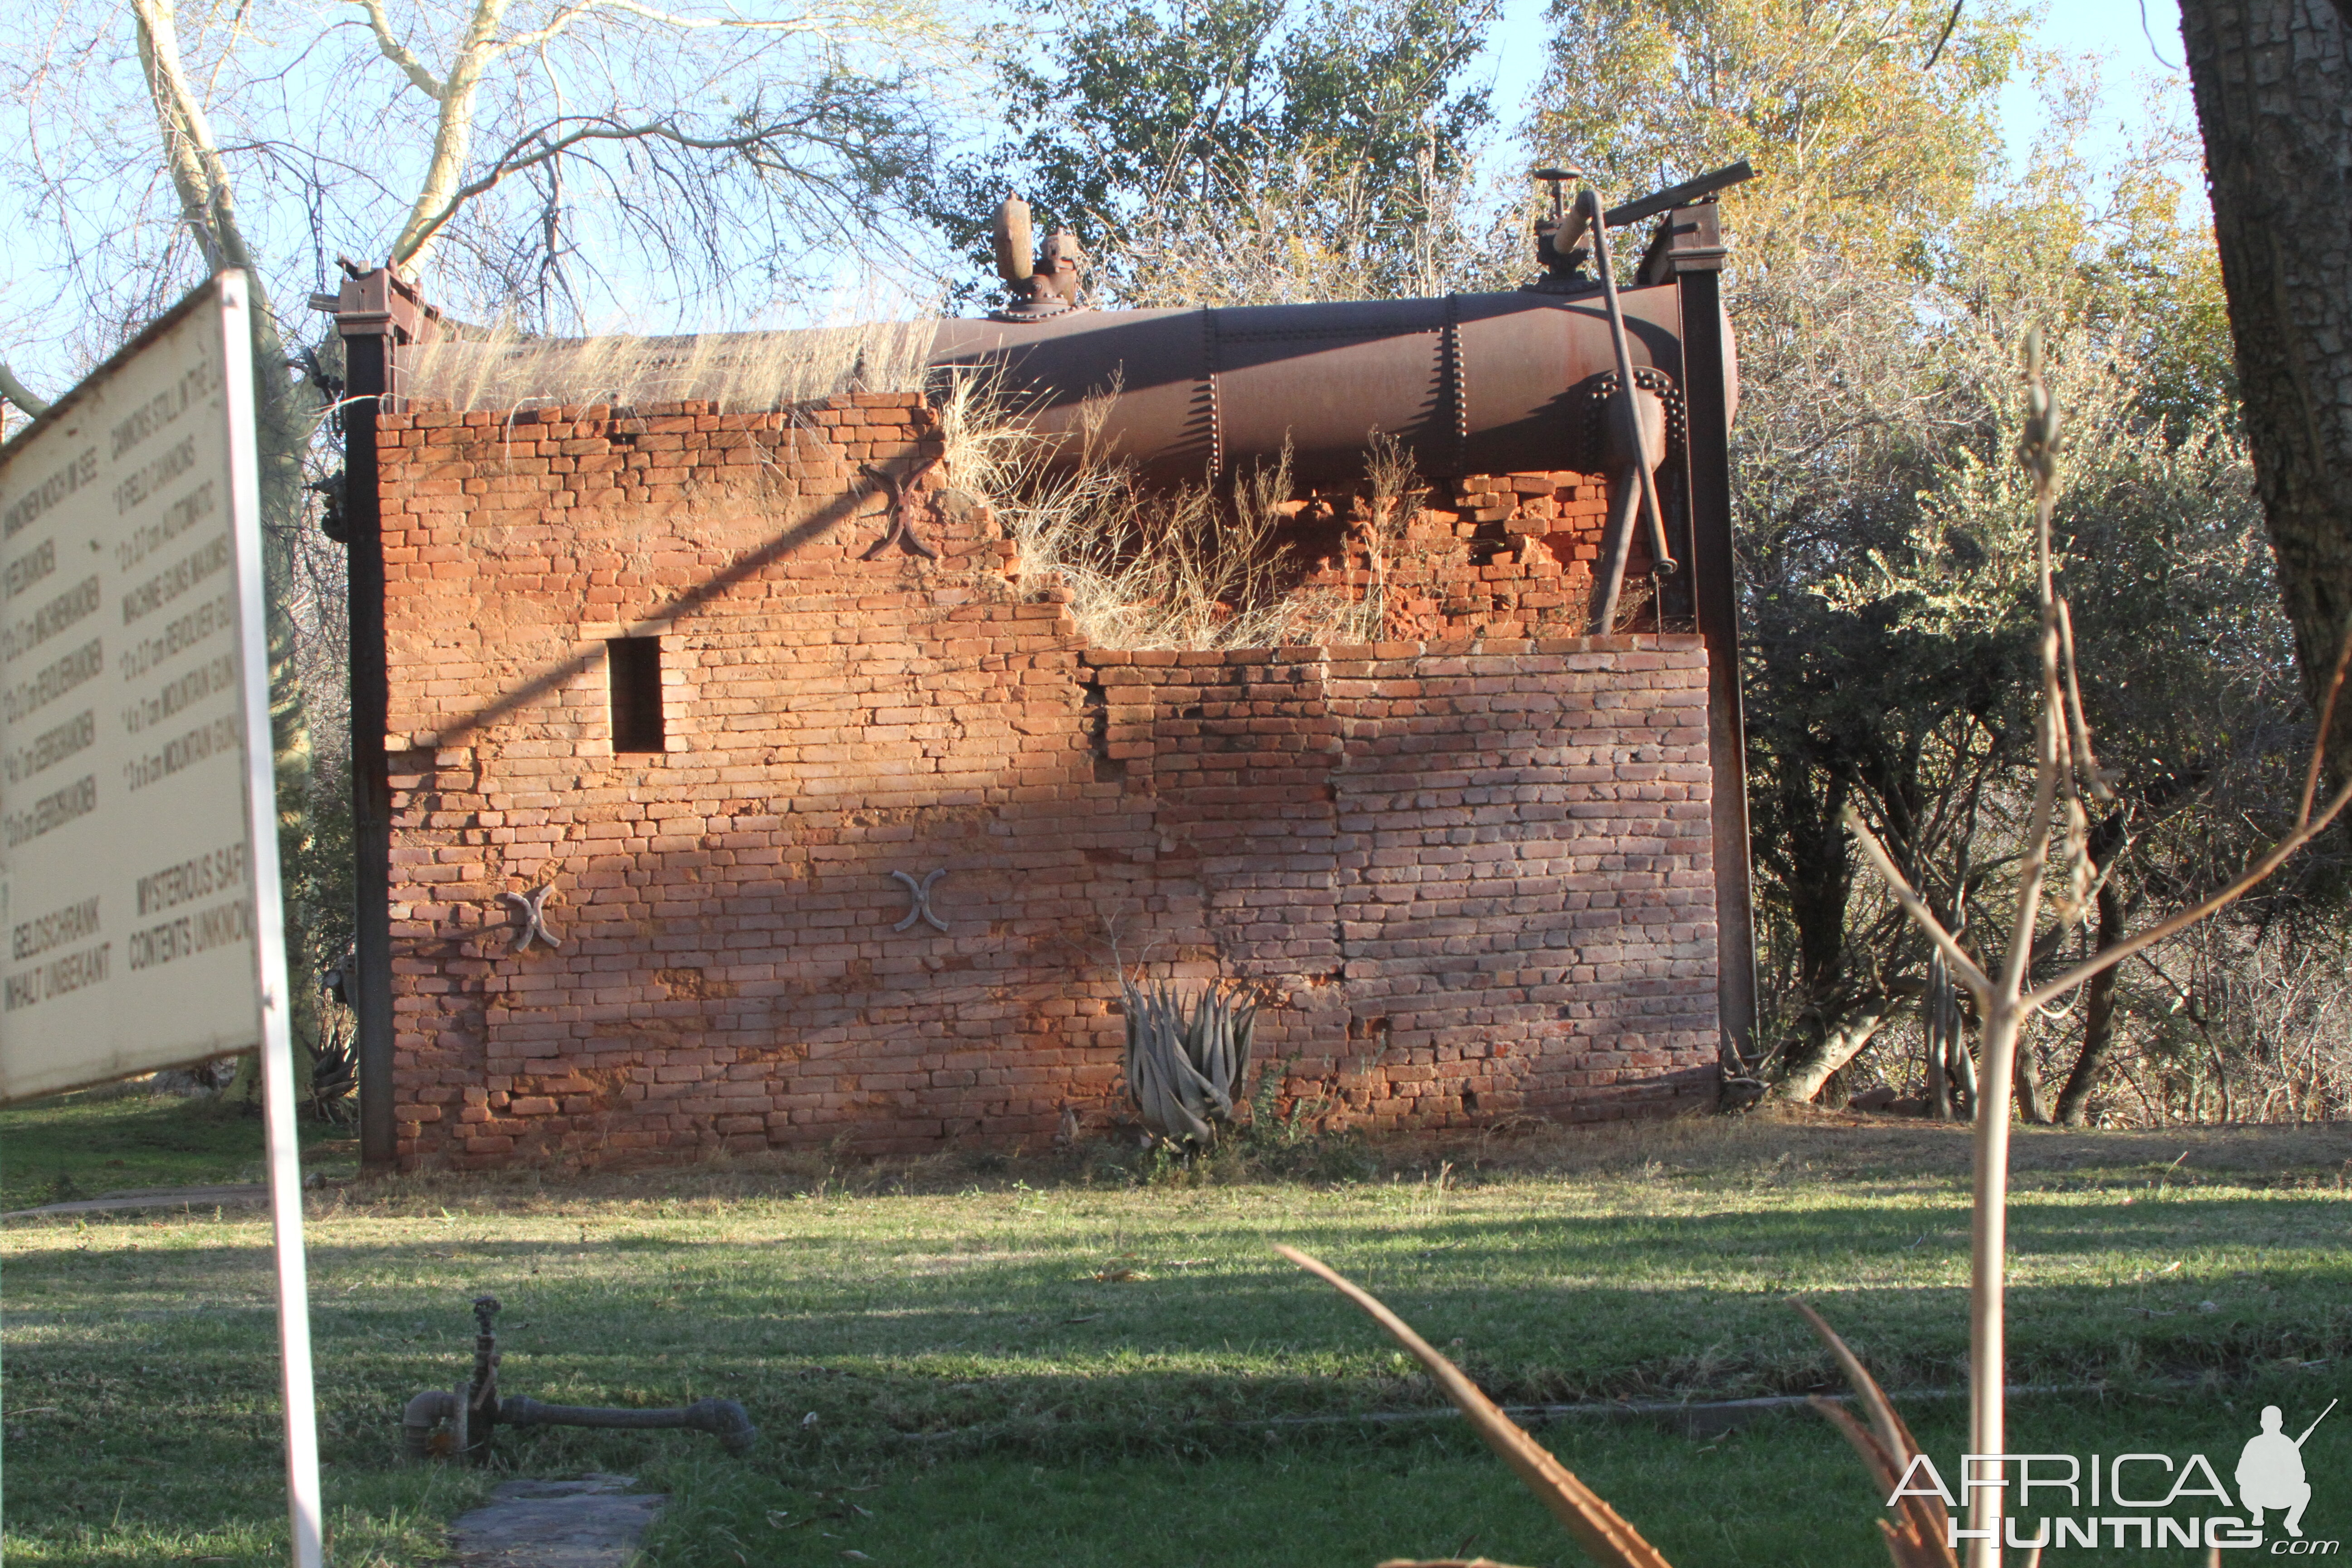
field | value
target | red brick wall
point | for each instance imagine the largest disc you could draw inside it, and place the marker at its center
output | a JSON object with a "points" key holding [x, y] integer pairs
{"points": [[1469, 878]]}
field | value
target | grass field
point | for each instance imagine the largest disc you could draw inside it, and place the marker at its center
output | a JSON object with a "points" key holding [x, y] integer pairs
{"points": [[972, 1360], [83, 1145]]}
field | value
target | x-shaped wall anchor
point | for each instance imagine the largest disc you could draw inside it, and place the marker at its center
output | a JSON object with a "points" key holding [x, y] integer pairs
{"points": [[918, 900], [901, 531], [530, 909]]}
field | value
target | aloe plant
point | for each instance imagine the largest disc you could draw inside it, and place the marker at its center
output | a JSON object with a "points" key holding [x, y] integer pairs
{"points": [[1184, 1066]]}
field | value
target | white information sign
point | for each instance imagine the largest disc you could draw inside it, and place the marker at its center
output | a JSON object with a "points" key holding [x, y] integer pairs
{"points": [[128, 869], [138, 888]]}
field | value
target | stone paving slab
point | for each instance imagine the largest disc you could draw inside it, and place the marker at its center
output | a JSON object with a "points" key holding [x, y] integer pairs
{"points": [[593, 1523]]}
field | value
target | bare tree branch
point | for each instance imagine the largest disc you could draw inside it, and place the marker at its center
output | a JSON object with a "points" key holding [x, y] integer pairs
{"points": [[571, 14], [206, 203], [400, 54], [1963, 967], [13, 391], [2307, 828], [515, 159]]}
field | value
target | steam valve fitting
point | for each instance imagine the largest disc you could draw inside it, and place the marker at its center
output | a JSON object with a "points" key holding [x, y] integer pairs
{"points": [[1040, 286], [1557, 236]]}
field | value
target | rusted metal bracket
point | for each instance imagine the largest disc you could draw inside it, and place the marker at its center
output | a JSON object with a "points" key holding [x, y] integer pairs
{"points": [[918, 902], [456, 1424], [901, 531], [530, 909]]}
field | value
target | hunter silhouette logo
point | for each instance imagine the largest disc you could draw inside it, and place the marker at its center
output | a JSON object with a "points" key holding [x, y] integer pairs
{"points": [[2158, 1502], [2270, 1471]]}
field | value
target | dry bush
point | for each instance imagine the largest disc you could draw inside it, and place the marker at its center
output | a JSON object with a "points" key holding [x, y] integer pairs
{"points": [[1148, 567], [2238, 1021]]}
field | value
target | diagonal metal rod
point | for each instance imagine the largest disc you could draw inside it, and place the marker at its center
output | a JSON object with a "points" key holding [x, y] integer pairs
{"points": [[1629, 397], [1625, 494]]}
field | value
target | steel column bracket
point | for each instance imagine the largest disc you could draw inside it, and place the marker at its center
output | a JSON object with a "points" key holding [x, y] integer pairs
{"points": [[1688, 239], [382, 304], [1710, 387]]}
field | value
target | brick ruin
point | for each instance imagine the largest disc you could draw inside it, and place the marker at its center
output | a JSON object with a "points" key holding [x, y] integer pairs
{"points": [[651, 658]]}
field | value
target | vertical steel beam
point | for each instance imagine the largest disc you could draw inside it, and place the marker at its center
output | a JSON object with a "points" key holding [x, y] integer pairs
{"points": [[367, 355], [1690, 250], [376, 316]]}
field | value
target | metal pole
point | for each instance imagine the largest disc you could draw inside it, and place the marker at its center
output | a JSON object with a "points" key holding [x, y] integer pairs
{"points": [[1625, 500], [1629, 397], [304, 1519]]}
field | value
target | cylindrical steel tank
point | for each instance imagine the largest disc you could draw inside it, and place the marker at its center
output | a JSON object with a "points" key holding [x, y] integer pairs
{"points": [[1472, 383]]}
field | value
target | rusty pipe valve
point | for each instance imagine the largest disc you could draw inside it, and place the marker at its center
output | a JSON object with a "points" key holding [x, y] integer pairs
{"points": [[457, 1423], [1557, 234], [1041, 282]]}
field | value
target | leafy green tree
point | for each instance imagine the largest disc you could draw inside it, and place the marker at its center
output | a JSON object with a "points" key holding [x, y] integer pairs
{"points": [[1861, 153], [1230, 151]]}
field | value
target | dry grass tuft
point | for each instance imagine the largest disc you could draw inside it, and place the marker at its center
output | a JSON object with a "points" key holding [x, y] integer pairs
{"points": [[1144, 567]]}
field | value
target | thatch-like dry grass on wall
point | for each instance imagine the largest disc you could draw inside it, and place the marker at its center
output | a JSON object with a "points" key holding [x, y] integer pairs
{"points": [[1146, 567], [740, 372]]}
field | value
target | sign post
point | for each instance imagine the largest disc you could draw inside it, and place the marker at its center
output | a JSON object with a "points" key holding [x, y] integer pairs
{"points": [[139, 875]]}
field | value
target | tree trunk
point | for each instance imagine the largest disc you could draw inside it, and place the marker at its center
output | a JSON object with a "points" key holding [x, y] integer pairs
{"points": [[2098, 1017], [1946, 1043], [2272, 81], [284, 417], [2029, 1083], [1836, 1039]]}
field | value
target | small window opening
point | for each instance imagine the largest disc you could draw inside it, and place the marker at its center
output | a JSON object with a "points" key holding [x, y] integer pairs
{"points": [[633, 665]]}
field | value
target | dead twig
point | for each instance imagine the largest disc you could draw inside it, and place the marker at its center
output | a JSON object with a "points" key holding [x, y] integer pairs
{"points": [[1596, 1526]]}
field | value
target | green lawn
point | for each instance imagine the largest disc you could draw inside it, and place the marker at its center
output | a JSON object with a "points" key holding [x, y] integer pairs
{"points": [[949, 1368], [83, 1145]]}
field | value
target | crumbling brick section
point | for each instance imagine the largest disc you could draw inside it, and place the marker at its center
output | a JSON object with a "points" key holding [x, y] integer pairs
{"points": [[1468, 878]]}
